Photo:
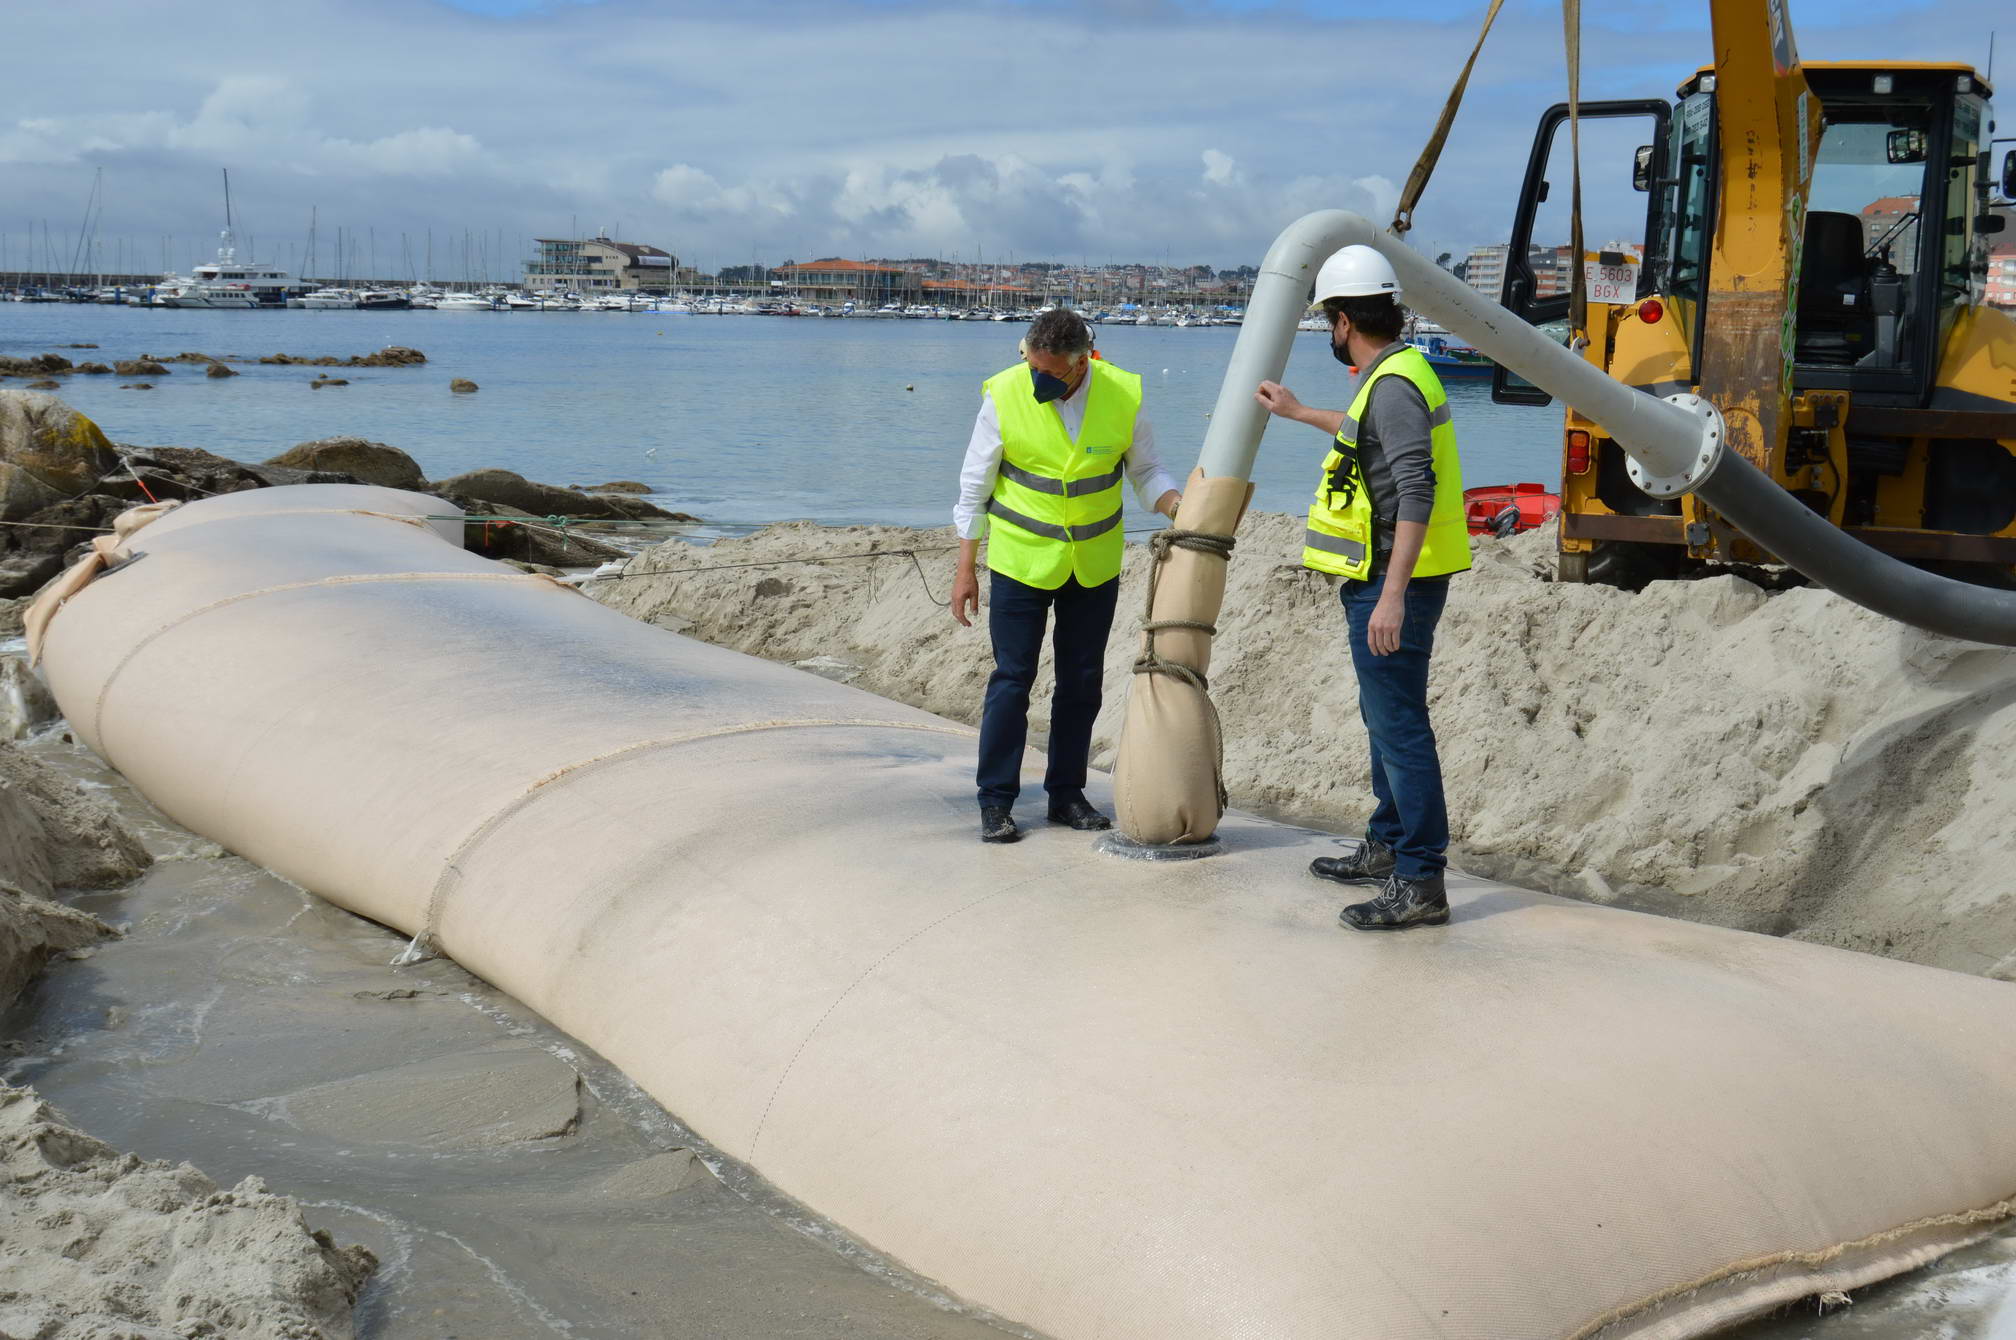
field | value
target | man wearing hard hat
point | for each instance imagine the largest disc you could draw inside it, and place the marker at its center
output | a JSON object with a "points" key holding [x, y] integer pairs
{"points": [[1388, 519], [1055, 436]]}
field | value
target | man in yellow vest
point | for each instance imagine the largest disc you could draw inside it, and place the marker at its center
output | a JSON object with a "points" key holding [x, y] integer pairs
{"points": [[1388, 519], [1055, 435]]}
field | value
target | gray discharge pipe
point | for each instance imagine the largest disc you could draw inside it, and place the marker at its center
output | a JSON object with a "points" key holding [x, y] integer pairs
{"points": [[1675, 446]]}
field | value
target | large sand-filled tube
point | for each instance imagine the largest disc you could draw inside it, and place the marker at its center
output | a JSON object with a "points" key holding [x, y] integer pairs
{"points": [[1103, 1098]]}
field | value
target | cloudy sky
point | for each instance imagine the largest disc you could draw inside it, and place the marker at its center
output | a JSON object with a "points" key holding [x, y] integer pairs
{"points": [[1165, 130]]}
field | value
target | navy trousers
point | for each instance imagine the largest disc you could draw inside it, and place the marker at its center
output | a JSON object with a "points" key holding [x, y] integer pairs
{"points": [[1016, 616], [1411, 816]]}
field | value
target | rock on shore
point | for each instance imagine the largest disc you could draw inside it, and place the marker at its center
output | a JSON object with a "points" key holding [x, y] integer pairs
{"points": [[1787, 763], [60, 474]]}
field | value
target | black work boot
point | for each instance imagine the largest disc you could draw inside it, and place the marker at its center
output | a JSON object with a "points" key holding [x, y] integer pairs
{"points": [[1372, 863], [998, 825], [1072, 808], [1402, 903]]}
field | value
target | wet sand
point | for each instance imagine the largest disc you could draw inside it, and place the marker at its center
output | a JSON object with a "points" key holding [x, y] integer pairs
{"points": [[510, 1182]]}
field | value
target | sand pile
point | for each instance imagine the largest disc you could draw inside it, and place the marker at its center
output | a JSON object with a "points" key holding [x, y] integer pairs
{"points": [[51, 836], [102, 1244], [1785, 762]]}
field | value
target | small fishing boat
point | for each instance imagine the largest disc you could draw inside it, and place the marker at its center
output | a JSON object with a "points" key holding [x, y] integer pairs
{"points": [[1452, 359], [1507, 509]]}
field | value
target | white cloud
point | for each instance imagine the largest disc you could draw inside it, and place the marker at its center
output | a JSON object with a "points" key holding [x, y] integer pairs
{"points": [[883, 140]]}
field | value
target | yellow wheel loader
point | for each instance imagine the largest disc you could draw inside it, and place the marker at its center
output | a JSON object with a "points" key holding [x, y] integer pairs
{"points": [[1814, 263]]}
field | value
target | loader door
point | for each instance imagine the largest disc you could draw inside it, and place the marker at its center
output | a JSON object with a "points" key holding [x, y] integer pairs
{"points": [[1625, 149]]}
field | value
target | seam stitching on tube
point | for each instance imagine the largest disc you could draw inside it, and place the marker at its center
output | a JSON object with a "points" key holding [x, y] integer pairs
{"points": [[1985, 1216], [756, 1137], [105, 689], [427, 937]]}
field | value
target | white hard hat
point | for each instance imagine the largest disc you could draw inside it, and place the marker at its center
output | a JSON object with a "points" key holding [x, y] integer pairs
{"points": [[1356, 272]]}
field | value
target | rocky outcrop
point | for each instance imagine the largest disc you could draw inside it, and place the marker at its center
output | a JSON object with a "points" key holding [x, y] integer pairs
{"points": [[364, 461], [514, 490], [462, 385], [92, 370], [393, 356], [45, 385], [321, 382], [37, 365], [616, 486], [61, 475], [48, 452], [32, 551], [140, 367], [220, 370]]}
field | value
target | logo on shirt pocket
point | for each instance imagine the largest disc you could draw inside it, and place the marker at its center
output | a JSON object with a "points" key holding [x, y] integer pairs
{"points": [[1094, 449]]}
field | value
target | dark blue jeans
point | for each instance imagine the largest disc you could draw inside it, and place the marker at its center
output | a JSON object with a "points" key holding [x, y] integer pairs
{"points": [[1411, 816], [1016, 614]]}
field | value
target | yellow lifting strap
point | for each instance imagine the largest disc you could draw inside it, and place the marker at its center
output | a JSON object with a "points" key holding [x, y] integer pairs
{"points": [[1424, 167]]}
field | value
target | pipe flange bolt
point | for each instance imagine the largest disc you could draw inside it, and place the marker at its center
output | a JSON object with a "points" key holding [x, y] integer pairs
{"points": [[1705, 457]]}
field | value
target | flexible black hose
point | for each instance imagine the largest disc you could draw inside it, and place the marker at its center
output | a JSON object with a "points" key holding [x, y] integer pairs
{"points": [[1797, 535]]}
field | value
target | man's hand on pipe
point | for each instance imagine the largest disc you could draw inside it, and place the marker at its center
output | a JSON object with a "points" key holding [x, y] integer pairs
{"points": [[1278, 399]]}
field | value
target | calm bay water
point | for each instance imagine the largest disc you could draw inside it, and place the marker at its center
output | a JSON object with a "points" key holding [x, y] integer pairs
{"points": [[741, 420]]}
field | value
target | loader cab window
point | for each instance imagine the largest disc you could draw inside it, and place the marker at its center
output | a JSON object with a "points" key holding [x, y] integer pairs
{"points": [[1624, 187], [1963, 268], [1690, 217], [1865, 232]]}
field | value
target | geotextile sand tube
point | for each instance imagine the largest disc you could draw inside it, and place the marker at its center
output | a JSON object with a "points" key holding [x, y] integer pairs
{"points": [[1126, 1100], [1167, 786]]}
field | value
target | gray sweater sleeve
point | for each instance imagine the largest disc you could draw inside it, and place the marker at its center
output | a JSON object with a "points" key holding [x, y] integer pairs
{"points": [[1400, 417]]}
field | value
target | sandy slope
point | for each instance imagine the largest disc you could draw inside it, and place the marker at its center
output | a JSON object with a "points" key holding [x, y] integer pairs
{"points": [[1786, 763]]}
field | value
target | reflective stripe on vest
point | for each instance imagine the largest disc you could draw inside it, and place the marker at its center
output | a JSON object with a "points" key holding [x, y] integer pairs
{"points": [[1339, 537], [1056, 508], [1048, 531], [1074, 488]]}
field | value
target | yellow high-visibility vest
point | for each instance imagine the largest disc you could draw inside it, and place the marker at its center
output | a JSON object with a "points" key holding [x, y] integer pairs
{"points": [[1339, 535], [1056, 507]]}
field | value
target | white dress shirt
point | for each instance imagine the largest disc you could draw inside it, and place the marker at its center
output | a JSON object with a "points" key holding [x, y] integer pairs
{"points": [[983, 459]]}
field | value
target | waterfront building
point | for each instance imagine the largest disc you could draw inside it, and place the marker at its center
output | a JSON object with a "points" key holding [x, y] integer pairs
{"points": [[863, 283], [2002, 275], [1880, 217], [1484, 270], [600, 264]]}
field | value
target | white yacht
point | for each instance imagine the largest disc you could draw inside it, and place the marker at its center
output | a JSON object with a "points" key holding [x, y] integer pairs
{"points": [[327, 300], [226, 282], [464, 302]]}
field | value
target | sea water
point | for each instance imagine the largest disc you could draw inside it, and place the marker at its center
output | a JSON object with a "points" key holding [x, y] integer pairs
{"points": [[740, 420]]}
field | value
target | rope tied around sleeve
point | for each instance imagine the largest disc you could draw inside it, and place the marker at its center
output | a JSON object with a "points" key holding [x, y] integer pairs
{"points": [[1153, 662]]}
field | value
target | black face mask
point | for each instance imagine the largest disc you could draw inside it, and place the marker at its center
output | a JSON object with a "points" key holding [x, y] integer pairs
{"points": [[1341, 352], [1049, 388]]}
